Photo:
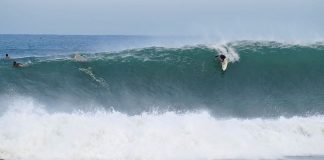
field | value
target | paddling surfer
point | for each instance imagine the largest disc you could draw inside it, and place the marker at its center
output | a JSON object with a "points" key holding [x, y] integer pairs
{"points": [[17, 65]]}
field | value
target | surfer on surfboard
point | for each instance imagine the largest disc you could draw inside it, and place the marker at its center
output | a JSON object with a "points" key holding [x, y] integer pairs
{"points": [[222, 58]]}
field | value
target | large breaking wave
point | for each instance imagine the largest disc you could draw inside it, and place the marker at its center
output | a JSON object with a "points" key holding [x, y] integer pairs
{"points": [[166, 103], [263, 79]]}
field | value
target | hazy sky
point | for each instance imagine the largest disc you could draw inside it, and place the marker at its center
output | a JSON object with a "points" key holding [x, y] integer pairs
{"points": [[164, 17]]}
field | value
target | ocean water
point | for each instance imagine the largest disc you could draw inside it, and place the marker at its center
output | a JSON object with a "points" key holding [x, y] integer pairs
{"points": [[139, 97]]}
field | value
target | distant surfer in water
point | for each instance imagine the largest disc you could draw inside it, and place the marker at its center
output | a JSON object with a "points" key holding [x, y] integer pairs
{"points": [[7, 56], [17, 65], [79, 58]]}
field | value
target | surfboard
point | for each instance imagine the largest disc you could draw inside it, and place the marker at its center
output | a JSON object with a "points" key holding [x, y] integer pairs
{"points": [[224, 64]]}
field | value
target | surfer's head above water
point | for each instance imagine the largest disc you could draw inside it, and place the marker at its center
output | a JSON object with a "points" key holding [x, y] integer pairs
{"points": [[7, 56], [222, 57]]}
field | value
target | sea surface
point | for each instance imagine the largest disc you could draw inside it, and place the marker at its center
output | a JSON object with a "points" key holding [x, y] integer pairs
{"points": [[146, 97]]}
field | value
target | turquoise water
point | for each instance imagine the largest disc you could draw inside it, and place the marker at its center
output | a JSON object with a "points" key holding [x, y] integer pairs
{"points": [[175, 98], [269, 79]]}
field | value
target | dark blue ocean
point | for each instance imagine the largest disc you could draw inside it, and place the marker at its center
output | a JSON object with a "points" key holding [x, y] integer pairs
{"points": [[146, 97]]}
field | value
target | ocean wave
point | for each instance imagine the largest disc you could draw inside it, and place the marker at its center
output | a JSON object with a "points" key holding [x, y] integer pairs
{"points": [[283, 79]]}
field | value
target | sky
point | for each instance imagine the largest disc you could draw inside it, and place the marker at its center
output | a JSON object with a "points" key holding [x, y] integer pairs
{"points": [[303, 18]]}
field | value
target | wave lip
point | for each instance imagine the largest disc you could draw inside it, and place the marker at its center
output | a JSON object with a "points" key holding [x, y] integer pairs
{"points": [[33, 133]]}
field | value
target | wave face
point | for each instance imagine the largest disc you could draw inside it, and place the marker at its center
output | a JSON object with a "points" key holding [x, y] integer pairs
{"points": [[263, 79], [160, 102]]}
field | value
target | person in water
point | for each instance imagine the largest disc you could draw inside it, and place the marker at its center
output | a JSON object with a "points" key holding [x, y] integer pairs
{"points": [[221, 57], [7, 56], [17, 65]]}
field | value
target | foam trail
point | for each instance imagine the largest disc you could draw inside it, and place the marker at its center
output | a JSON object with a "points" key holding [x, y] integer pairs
{"points": [[100, 80], [29, 132]]}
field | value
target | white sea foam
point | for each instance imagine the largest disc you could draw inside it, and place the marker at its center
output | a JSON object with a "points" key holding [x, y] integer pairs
{"points": [[228, 51], [30, 132]]}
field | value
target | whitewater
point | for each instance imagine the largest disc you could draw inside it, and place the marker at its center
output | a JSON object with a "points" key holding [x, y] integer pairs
{"points": [[33, 133], [150, 101]]}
